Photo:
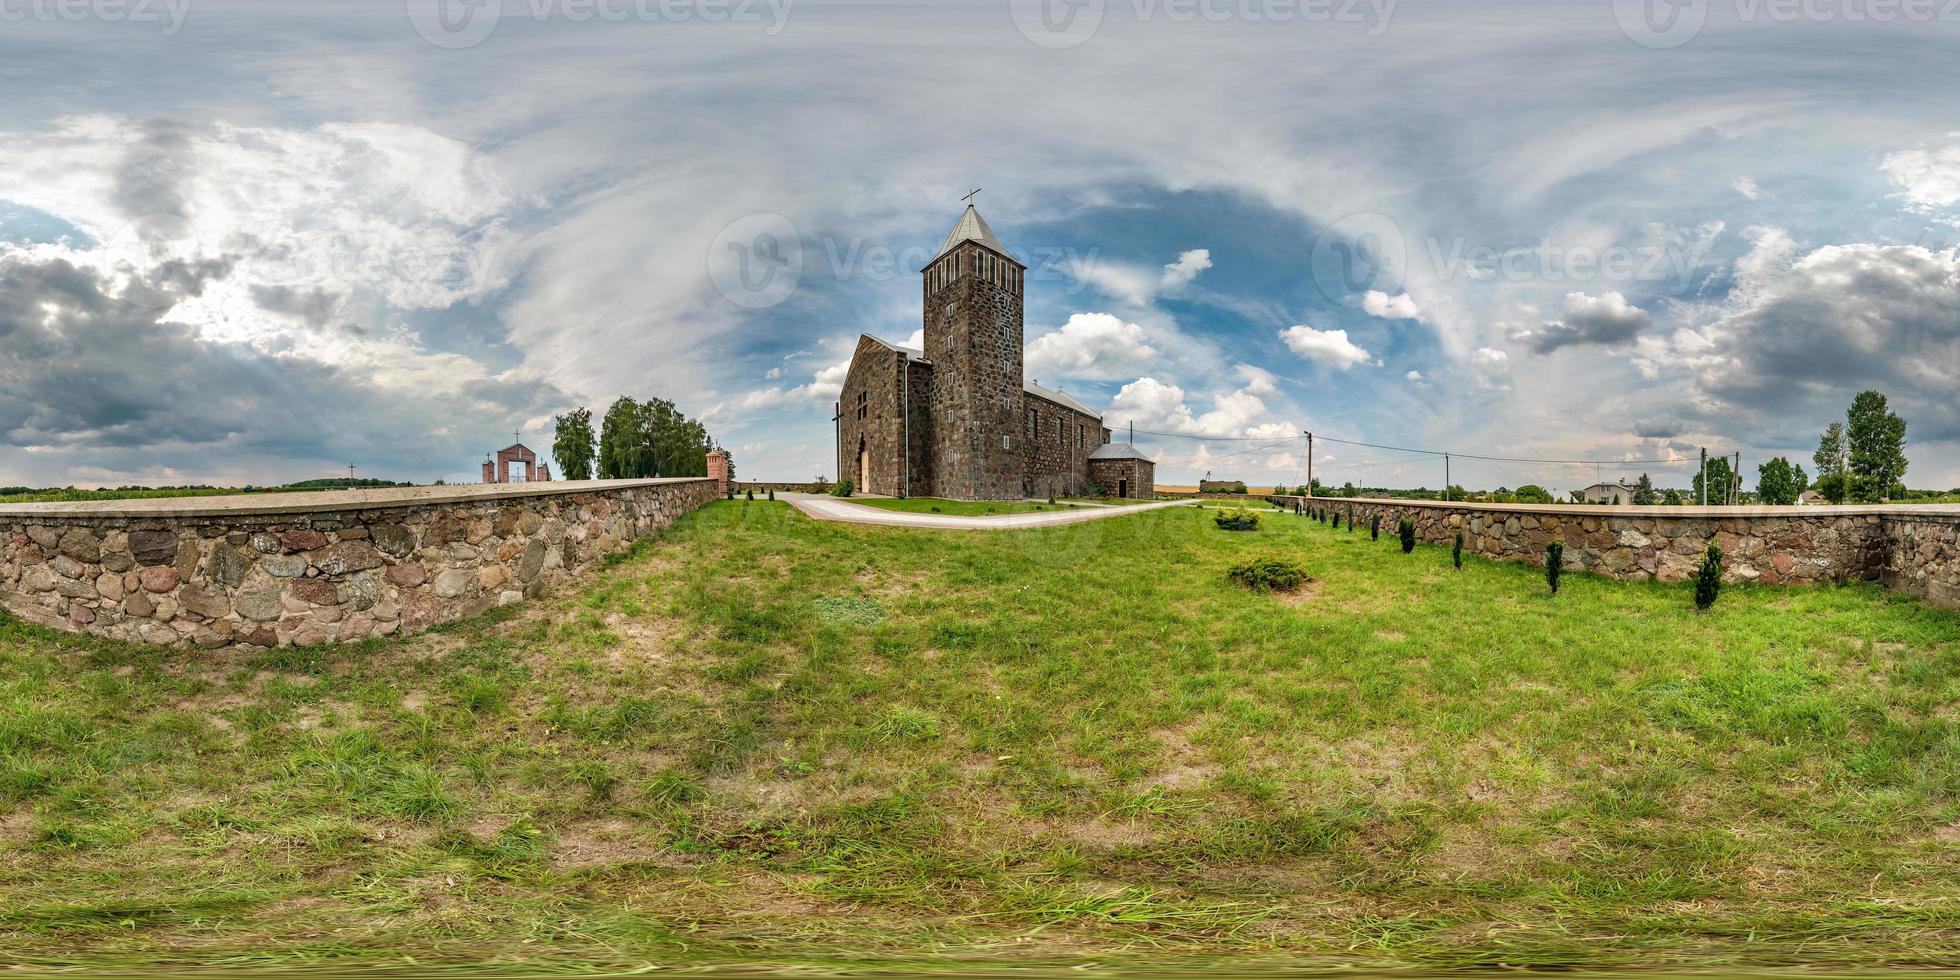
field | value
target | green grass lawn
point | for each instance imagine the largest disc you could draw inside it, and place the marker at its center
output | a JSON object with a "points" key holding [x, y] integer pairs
{"points": [[961, 508], [763, 737]]}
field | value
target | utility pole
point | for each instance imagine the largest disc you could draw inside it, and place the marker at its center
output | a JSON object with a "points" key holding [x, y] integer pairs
{"points": [[350, 472], [1309, 464], [1133, 432], [1446, 477], [1735, 478], [1704, 476]]}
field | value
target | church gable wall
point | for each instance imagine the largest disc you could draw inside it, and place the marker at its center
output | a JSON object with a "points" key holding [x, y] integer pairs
{"points": [[870, 418]]}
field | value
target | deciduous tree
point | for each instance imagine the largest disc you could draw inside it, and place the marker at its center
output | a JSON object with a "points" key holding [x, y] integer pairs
{"points": [[1878, 439], [1779, 481], [572, 444], [1833, 459]]}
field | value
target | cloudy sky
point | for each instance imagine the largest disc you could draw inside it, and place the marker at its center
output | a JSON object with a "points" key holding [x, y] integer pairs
{"points": [[246, 245]]}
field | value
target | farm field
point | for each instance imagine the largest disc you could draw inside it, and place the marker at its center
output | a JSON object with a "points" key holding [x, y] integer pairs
{"points": [[764, 739]]}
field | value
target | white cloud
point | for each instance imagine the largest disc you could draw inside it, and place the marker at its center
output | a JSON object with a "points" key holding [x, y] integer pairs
{"points": [[1189, 263], [1139, 285], [1491, 358], [1330, 347], [1747, 188], [1092, 346], [1157, 406], [1413, 376], [1399, 307], [1930, 176]]}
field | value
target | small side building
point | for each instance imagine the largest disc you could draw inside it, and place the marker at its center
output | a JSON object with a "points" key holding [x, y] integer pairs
{"points": [[1123, 472], [1608, 493]]}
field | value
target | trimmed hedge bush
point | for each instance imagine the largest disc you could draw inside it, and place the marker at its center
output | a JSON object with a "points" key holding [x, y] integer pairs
{"points": [[1406, 530], [1268, 575], [1708, 584], [1237, 519], [843, 488]]}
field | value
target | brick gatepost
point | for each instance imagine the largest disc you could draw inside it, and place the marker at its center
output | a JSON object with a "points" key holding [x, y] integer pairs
{"points": [[718, 471]]}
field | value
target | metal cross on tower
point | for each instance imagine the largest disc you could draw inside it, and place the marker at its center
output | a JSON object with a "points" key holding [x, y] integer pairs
{"points": [[969, 195]]}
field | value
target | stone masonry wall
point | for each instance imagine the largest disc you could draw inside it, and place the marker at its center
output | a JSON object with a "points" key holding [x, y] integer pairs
{"points": [[1766, 544], [973, 338], [1913, 548], [874, 374], [1057, 456], [304, 568], [1922, 556]]}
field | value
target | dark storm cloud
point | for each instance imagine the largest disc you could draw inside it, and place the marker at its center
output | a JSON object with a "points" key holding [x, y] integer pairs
{"points": [[1662, 427], [85, 365], [1845, 318], [313, 306], [1604, 320]]}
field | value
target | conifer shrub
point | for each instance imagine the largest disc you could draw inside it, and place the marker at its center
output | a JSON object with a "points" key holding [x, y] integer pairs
{"points": [[750, 492], [772, 493], [844, 488], [1456, 552], [1406, 530], [1554, 564], [1268, 575], [1708, 584], [1375, 528], [1237, 519], [1337, 520]]}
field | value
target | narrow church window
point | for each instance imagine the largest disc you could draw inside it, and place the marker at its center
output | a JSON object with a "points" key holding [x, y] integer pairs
{"points": [[1034, 423]]}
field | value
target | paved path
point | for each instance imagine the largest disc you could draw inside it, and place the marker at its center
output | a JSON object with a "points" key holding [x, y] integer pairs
{"points": [[835, 509]]}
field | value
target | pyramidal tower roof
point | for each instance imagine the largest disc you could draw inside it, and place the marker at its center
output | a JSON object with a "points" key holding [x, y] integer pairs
{"points": [[973, 228]]}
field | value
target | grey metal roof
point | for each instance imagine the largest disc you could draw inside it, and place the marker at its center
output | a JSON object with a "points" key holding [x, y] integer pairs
{"points": [[1058, 398], [973, 228], [1120, 450]]}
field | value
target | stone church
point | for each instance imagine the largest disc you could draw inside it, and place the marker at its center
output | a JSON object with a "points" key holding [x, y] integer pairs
{"points": [[957, 419]]}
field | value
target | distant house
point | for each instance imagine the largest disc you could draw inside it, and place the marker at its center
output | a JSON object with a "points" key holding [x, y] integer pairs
{"points": [[1608, 493], [1810, 498]]}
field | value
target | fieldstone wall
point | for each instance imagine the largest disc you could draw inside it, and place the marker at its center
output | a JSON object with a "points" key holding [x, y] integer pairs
{"points": [[304, 568], [1923, 556], [1913, 548]]}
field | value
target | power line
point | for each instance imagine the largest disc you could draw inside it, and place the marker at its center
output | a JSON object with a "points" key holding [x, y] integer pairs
{"points": [[1429, 452]]}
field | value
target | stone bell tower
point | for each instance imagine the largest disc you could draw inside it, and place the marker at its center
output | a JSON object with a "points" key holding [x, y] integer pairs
{"points": [[973, 338]]}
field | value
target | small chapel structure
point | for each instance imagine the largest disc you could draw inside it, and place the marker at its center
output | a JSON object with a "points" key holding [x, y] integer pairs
{"points": [[957, 419], [515, 463]]}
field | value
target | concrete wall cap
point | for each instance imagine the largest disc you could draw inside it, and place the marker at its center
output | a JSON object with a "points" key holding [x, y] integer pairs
{"points": [[319, 501], [1658, 511]]}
